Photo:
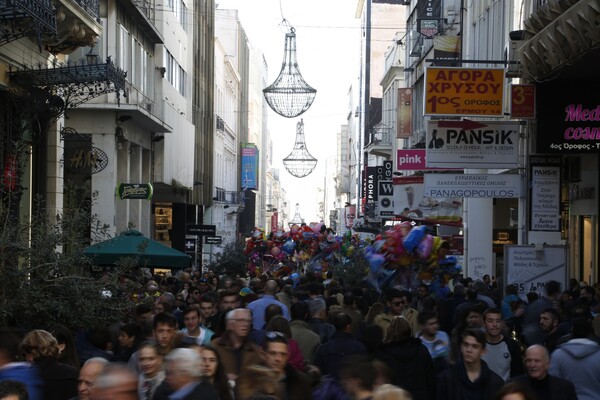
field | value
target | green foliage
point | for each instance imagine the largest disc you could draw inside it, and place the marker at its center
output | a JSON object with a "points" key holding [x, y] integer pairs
{"points": [[46, 279], [232, 260]]}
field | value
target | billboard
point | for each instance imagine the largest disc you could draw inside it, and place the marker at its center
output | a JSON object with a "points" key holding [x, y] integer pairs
{"points": [[411, 202], [569, 122], [472, 144], [249, 166], [498, 186], [464, 91]]}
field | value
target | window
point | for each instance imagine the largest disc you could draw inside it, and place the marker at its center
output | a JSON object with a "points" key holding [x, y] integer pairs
{"points": [[175, 74], [182, 14]]}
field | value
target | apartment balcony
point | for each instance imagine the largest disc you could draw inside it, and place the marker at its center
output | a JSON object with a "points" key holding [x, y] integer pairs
{"points": [[228, 198], [78, 25], [27, 18], [381, 141], [143, 12]]}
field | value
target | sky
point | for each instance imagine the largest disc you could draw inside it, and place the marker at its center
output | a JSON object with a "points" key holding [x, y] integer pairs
{"points": [[328, 39]]}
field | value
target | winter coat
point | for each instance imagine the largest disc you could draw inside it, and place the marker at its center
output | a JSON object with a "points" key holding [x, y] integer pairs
{"points": [[410, 366], [578, 361]]}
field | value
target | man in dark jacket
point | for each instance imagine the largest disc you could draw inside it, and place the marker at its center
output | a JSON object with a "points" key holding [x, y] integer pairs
{"points": [[330, 355], [471, 378], [292, 384], [545, 386]]}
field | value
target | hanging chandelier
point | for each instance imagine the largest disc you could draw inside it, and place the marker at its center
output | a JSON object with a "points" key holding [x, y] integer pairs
{"points": [[299, 162], [289, 95], [297, 220]]}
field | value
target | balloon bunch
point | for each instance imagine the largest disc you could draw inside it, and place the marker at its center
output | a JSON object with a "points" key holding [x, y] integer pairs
{"points": [[255, 250], [397, 253]]}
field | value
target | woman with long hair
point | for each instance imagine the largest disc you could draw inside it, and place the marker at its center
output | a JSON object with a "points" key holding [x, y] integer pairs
{"points": [[67, 352], [213, 371]]}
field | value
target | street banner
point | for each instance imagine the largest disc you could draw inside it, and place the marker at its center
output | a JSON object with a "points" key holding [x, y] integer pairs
{"points": [[472, 144], [544, 199], [249, 166], [410, 202], [464, 91], [498, 186]]}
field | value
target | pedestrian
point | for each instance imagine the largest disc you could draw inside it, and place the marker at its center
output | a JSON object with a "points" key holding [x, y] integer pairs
{"points": [[502, 353], [88, 374], [115, 382], [235, 350], [292, 384], [331, 355], [11, 369], [408, 360], [183, 378], [397, 304], [214, 373], [470, 378], [578, 361], [257, 307], [13, 390], [164, 330], [152, 370], [307, 339], [391, 392], [544, 385], [60, 380], [516, 391]]}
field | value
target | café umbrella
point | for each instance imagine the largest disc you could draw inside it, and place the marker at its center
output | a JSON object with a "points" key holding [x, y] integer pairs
{"points": [[145, 252]]}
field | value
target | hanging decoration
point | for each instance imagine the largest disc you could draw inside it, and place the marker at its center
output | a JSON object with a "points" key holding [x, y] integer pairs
{"points": [[297, 220], [299, 162], [289, 95]]}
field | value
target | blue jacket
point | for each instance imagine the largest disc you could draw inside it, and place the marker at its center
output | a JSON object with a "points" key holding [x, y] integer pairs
{"points": [[27, 374]]}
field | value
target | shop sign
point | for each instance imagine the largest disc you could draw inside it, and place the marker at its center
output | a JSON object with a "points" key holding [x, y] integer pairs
{"points": [[472, 144], [134, 191], [213, 239], [464, 91], [544, 199], [498, 186], [349, 215], [404, 115], [522, 101]]}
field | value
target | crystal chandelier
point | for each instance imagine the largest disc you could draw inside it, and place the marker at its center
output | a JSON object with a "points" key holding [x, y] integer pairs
{"points": [[297, 220], [299, 162], [289, 95]]}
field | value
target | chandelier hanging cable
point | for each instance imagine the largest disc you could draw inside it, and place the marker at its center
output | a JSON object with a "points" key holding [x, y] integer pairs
{"points": [[289, 95], [299, 162]]}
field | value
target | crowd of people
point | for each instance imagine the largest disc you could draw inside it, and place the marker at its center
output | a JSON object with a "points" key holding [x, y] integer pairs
{"points": [[201, 336]]}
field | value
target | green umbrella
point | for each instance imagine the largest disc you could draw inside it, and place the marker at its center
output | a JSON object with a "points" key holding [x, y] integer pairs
{"points": [[133, 244]]}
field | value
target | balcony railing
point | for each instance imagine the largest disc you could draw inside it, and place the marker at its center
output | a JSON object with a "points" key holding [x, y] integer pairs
{"points": [[228, 197], [91, 7]]}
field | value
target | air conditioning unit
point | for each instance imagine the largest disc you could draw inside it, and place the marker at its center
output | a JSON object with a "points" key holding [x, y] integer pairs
{"points": [[512, 56], [571, 169]]}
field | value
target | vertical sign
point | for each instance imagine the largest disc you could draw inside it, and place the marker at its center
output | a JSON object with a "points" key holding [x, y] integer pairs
{"points": [[274, 221], [544, 200], [522, 101], [404, 123], [428, 20], [385, 190], [249, 166]]}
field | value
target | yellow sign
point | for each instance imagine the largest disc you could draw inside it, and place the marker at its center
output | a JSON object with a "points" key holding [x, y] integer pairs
{"points": [[464, 91]]}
